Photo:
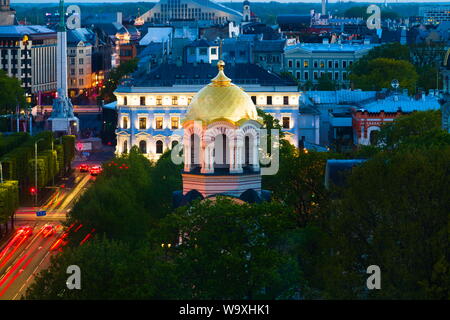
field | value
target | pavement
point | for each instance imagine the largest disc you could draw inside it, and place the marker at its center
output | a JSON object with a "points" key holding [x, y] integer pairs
{"points": [[25, 254]]}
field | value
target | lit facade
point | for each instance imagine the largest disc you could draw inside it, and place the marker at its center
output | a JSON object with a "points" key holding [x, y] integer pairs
{"points": [[150, 116], [310, 61], [206, 10], [29, 54]]}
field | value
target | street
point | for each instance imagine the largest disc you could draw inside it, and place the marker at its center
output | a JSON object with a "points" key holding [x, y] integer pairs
{"points": [[29, 249]]}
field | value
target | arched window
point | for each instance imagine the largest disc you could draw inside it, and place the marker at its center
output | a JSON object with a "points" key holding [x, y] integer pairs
{"points": [[174, 143], [143, 146], [373, 137], [221, 152], [159, 147], [195, 150], [125, 146], [247, 150]]}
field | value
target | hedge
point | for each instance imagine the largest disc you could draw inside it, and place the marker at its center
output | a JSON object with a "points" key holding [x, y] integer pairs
{"points": [[9, 199]]}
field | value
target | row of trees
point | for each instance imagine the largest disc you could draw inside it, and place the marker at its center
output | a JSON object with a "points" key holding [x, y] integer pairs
{"points": [[19, 161], [309, 242], [414, 68]]}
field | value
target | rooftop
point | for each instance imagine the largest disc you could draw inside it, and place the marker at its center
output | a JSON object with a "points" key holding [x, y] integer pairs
{"points": [[168, 74], [20, 31], [403, 102], [331, 47]]}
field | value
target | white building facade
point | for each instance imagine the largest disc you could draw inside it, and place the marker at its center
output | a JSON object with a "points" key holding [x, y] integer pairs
{"points": [[310, 61], [150, 117]]}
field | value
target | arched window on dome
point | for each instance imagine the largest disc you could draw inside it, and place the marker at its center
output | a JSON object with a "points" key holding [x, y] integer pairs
{"points": [[159, 147], [247, 151], [143, 146], [195, 151], [221, 152]]}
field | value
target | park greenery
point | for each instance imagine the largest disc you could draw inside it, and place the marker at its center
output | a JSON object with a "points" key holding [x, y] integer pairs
{"points": [[308, 242], [115, 76], [414, 67], [17, 157], [12, 94]]}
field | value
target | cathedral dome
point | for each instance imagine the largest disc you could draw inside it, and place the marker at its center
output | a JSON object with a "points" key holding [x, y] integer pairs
{"points": [[221, 99]]}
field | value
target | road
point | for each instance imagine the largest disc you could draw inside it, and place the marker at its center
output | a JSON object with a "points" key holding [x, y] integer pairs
{"points": [[25, 255]]}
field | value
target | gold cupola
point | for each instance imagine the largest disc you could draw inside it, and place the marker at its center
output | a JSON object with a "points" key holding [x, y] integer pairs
{"points": [[221, 99]]}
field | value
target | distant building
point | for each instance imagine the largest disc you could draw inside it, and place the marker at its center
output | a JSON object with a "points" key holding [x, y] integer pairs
{"points": [[202, 51], [151, 106], [310, 61], [269, 54], [206, 10], [369, 117], [80, 44], [293, 25], [123, 39], [434, 14], [29, 54], [7, 15]]}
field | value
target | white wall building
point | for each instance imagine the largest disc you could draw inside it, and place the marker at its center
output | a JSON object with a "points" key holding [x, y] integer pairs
{"points": [[150, 110]]}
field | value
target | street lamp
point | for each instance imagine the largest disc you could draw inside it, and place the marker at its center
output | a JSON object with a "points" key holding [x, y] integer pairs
{"points": [[35, 171], [53, 173]]}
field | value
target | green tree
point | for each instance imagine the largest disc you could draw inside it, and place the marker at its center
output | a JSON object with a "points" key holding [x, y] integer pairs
{"points": [[115, 77], [394, 214], [11, 94], [299, 182], [325, 83], [414, 130], [379, 72], [233, 251], [110, 270]]}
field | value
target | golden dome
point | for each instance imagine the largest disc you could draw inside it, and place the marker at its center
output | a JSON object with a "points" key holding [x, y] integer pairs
{"points": [[221, 99]]}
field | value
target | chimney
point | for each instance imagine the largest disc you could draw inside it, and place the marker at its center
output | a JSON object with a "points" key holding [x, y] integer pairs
{"points": [[119, 17]]}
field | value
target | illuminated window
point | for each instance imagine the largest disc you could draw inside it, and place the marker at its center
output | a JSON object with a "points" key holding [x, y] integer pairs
{"points": [[285, 100], [158, 101], [125, 123], [286, 123], [322, 64], [159, 122], [143, 146], [175, 100], [142, 123], [305, 64], [142, 101], [174, 122]]}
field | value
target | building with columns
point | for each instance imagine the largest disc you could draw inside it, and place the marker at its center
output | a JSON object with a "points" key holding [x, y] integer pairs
{"points": [[203, 10], [29, 54], [221, 144], [151, 106]]}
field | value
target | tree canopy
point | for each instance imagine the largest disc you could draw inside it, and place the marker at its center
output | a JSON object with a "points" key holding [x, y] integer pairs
{"points": [[379, 73], [11, 94]]}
